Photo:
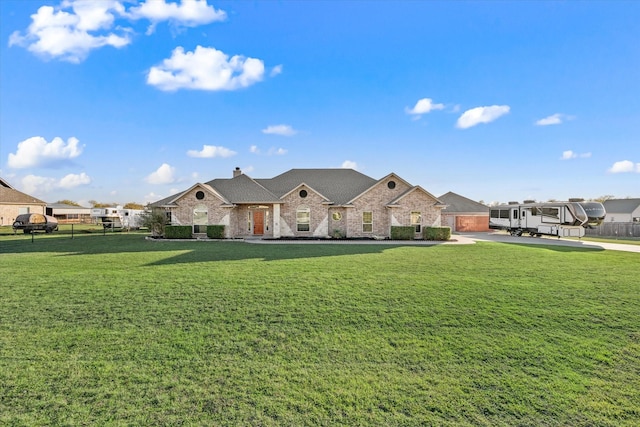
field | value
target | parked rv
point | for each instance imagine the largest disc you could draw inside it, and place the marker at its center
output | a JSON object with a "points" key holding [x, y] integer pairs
{"points": [[117, 217], [35, 222], [562, 219]]}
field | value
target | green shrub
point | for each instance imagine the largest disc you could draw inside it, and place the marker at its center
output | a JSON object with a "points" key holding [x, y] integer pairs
{"points": [[436, 233], [403, 232], [177, 231], [215, 231]]}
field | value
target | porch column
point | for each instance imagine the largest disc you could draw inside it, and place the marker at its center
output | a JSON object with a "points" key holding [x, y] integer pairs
{"points": [[276, 221]]}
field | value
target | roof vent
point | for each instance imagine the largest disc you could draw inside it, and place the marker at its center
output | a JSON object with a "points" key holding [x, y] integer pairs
{"points": [[576, 199], [237, 172], [529, 201]]}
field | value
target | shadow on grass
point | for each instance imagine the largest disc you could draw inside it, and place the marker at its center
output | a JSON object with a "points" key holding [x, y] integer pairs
{"points": [[179, 252], [207, 251]]}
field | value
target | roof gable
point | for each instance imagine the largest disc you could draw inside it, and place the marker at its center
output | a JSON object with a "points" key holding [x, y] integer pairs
{"points": [[205, 187], [412, 190], [304, 184], [374, 184]]}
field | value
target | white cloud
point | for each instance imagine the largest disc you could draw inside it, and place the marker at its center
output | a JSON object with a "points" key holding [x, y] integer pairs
{"points": [[273, 151], [211, 151], [189, 13], [277, 152], [424, 106], [625, 166], [165, 174], [70, 35], [36, 151], [73, 29], [569, 154], [554, 119], [479, 115], [284, 130], [74, 180], [276, 70], [205, 68], [33, 184], [152, 197], [348, 164]]}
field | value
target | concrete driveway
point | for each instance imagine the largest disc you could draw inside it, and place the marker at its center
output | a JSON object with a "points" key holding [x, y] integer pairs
{"points": [[547, 240]]}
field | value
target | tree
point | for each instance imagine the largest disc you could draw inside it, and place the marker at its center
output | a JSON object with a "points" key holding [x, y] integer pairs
{"points": [[154, 219], [134, 205], [603, 199], [68, 202], [96, 204]]}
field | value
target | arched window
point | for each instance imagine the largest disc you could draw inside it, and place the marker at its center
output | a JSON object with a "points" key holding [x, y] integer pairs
{"points": [[303, 218]]}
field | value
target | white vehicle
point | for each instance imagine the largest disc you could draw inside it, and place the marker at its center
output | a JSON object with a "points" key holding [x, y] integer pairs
{"points": [[117, 217], [562, 219]]}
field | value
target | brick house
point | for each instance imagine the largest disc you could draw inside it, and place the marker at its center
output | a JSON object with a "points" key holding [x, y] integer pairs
{"points": [[14, 203], [463, 214], [304, 203]]}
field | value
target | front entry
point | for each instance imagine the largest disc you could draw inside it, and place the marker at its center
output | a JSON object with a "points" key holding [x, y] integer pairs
{"points": [[258, 222]]}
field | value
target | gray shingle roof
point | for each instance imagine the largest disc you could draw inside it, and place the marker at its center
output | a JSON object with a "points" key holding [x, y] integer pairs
{"points": [[242, 189], [621, 205], [457, 203], [338, 185]]}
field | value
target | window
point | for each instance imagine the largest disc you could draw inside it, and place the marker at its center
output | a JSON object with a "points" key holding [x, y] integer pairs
{"points": [[337, 216], [303, 218], [416, 220], [200, 219], [303, 193], [367, 222], [515, 214], [551, 215], [22, 211], [200, 195], [391, 185]]}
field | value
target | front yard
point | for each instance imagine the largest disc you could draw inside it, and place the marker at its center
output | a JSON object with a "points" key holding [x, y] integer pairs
{"points": [[116, 330]]}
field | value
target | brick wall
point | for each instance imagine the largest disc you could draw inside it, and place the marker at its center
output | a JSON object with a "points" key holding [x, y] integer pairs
{"points": [[313, 201]]}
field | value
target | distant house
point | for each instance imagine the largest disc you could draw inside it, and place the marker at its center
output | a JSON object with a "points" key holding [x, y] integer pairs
{"points": [[304, 203], [69, 214], [622, 219], [622, 210], [463, 214], [14, 203]]}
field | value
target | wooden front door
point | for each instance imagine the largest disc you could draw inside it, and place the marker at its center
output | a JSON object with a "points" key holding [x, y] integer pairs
{"points": [[258, 222]]}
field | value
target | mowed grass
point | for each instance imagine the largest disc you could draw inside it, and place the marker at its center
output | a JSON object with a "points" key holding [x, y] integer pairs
{"points": [[117, 330]]}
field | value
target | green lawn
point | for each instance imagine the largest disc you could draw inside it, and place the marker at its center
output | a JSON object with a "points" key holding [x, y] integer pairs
{"points": [[117, 330]]}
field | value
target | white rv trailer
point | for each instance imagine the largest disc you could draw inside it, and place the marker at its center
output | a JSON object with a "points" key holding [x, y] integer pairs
{"points": [[117, 217], [562, 219]]}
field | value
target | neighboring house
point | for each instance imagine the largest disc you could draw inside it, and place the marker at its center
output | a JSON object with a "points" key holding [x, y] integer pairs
{"points": [[69, 214], [304, 203], [14, 203], [462, 214], [622, 219], [622, 210]]}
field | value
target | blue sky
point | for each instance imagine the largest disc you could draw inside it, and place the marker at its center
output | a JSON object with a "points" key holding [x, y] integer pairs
{"points": [[131, 101]]}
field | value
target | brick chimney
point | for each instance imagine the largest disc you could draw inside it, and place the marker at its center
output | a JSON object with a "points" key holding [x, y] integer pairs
{"points": [[237, 172]]}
